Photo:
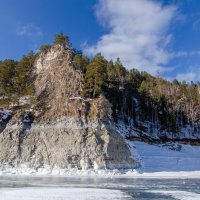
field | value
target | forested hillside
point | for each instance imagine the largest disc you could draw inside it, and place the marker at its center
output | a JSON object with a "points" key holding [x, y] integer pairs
{"points": [[138, 98]]}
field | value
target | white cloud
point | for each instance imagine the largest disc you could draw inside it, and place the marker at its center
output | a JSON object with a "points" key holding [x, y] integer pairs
{"points": [[189, 76], [29, 30], [185, 54], [192, 75], [138, 33]]}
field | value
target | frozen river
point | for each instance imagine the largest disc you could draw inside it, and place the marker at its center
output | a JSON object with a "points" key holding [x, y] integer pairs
{"points": [[74, 188]]}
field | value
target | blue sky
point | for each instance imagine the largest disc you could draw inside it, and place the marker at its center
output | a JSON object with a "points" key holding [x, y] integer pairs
{"points": [[153, 35]]}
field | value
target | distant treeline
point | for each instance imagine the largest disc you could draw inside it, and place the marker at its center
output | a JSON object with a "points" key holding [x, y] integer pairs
{"points": [[136, 96]]}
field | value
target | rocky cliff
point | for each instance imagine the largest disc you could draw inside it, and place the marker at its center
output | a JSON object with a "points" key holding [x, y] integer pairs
{"points": [[62, 129]]}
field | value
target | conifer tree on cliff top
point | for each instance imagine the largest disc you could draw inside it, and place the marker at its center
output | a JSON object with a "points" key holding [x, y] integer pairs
{"points": [[61, 39]]}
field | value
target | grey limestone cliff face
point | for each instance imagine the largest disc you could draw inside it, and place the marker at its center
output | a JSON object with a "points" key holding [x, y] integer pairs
{"points": [[68, 130], [68, 143]]}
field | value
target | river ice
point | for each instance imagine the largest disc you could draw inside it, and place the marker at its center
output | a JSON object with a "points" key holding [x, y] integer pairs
{"points": [[62, 194], [84, 188]]}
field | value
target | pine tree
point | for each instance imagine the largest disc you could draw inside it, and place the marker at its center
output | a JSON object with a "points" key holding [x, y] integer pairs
{"points": [[24, 84], [45, 48], [61, 39], [95, 77], [7, 73], [120, 71], [80, 62]]}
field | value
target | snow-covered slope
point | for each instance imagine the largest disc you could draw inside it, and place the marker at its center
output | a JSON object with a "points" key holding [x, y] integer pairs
{"points": [[5, 115], [170, 159]]}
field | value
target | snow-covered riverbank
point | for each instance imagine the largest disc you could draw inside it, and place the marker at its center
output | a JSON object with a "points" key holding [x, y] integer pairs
{"points": [[168, 160]]}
